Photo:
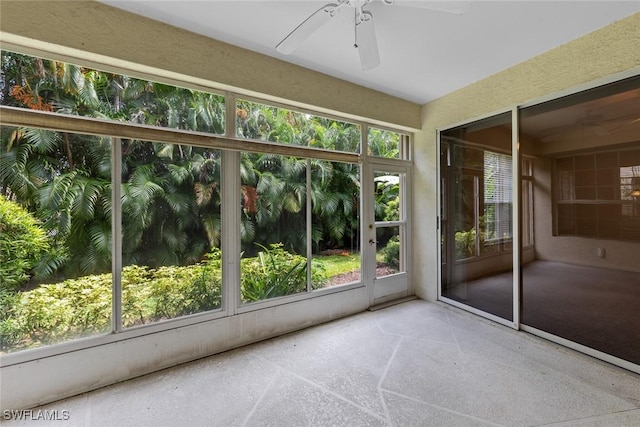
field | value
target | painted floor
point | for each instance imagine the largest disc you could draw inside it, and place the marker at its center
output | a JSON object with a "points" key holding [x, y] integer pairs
{"points": [[412, 364]]}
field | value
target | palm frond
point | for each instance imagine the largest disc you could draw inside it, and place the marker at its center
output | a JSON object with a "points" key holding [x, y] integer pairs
{"points": [[203, 193], [179, 173], [164, 150], [179, 203], [87, 195], [43, 141], [247, 230], [100, 235], [212, 226], [57, 194]]}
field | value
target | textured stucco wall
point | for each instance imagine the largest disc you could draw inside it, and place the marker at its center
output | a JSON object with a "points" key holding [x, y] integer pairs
{"points": [[609, 51], [96, 31]]}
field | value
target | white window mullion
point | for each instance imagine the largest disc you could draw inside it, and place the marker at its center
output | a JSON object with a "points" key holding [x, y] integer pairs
{"points": [[309, 228], [230, 239], [231, 214], [116, 236]]}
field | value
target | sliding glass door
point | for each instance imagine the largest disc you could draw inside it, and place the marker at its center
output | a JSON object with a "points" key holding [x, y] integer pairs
{"points": [[582, 281], [476, 216], [549, 242]]}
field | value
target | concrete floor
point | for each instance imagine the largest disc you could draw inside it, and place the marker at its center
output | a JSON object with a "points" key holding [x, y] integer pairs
{"points": [[413, 364]]}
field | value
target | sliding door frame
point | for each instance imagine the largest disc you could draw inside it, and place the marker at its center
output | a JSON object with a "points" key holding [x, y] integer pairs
{"points": [[517, 223], [515, 158]]}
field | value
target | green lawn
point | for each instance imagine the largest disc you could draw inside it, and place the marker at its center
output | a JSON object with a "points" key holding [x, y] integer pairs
{"points": [[338, 264]]}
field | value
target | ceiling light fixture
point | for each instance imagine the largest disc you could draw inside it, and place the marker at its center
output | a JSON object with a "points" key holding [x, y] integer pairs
{"points": [[365, 36]]}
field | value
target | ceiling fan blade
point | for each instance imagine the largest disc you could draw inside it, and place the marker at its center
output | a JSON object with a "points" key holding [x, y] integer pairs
{"points": [[366, 42], [309, 26], [624, 124], [452, 6], [575, 132]]}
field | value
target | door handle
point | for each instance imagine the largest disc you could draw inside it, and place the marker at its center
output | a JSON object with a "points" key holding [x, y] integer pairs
{"points": [[372, 242]]}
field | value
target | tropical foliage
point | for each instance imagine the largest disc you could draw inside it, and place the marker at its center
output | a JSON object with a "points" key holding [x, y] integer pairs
{"points": [[75, 307], [65, 179], [23, 242], [55, 312], [56, 193], [275, 272], [384, 143], [391, 253], [170, 193]]}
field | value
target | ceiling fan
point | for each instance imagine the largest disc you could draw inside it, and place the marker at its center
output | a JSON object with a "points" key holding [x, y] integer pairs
{"points": [[593, 124], [364, 30]]}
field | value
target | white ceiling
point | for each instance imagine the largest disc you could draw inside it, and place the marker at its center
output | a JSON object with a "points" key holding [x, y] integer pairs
{"points": [[424, 53]]}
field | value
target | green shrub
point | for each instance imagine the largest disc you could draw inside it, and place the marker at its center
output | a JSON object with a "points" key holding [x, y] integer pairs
{"points": [[392, 210], [179, 291], [465, 244], [78, 307], [56, 312], [276, 272], [10, 331], [391, 253], [23, 242]]}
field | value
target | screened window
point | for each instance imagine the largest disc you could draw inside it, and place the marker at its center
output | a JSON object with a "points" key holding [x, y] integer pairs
{"points": [[335, 223], [274, 124], [55, 237], [40, 84], [274, 226], [171, 231], [127, 231], [598, 195], [388, 144], [299, 225], [56, 280]]}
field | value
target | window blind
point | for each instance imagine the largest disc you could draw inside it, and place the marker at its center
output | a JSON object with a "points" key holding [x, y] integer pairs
{"points": [[498, 195]]}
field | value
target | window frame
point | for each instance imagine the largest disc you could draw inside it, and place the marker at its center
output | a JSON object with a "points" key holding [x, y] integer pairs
{"points": [[573, 201], [478, 176], [230, 146]]}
